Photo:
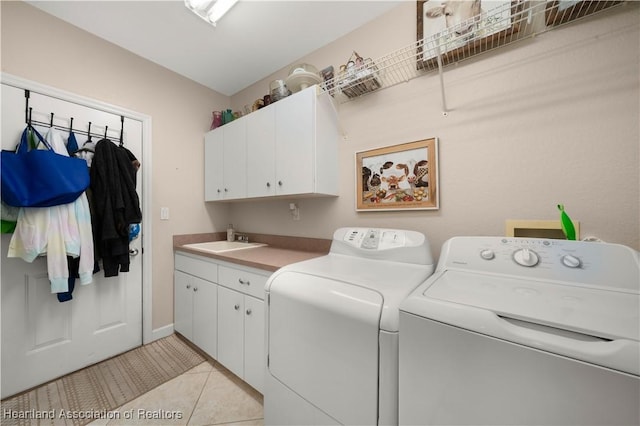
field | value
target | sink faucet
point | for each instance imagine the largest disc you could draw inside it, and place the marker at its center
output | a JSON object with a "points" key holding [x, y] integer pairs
{"points": [[244, 238]]}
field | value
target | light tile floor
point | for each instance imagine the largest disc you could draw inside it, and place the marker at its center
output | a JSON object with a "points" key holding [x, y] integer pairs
{"points": [[208, 394]]}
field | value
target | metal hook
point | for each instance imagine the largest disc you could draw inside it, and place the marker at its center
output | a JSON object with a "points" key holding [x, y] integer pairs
{"points": [[105, 131], [71, 125], [51, 121], [121, 130], [27, 109]]}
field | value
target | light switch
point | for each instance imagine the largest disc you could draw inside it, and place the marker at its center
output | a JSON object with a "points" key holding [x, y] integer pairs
{"points": [[164, 213]]}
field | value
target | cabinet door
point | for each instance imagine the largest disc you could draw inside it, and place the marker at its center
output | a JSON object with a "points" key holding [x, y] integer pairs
{"points": [[234, 169], [295, 143], [213, 162], [254, 352], [231, 330], [205, 316], [261, 152], [183, 304]]}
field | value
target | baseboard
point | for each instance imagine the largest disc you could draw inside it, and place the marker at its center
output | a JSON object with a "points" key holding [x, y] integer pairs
{"points": [[161, 332]]}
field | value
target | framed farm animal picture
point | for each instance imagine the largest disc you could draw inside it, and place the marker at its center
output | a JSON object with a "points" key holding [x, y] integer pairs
{"points": [[458, 29], [398, 177]]}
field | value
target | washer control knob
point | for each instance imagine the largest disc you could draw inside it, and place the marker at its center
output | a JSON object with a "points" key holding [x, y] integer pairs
{"points": [[526, 257], [487, 254], [571, 261]]}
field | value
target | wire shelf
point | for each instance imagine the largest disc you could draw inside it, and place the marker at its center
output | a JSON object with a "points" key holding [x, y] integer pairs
{"points": [[499, 26]]}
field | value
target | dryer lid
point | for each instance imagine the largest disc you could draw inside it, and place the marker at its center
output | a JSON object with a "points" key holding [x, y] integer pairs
{"points": [[392, 281]]}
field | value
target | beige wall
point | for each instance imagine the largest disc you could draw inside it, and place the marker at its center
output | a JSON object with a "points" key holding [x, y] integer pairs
{"points": [[39, 47], [549, 120], [553, 119]]}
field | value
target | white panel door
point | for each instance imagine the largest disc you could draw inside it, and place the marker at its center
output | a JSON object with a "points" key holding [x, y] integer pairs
{"points": [[42, 338]]}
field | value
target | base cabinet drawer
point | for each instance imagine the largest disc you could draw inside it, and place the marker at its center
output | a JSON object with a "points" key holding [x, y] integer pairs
{"points": [[242, 280]]}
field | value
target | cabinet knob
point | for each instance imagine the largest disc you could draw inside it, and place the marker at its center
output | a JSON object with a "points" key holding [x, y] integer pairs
{"points": [[219, 190], [279, 183], [188, 286], [226, 190], [195, 289], [241, 281], [248, 311], [236, 307], [268, 184]]}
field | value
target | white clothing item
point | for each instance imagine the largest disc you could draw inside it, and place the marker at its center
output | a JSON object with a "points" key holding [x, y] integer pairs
{"points": [[58, 232]]}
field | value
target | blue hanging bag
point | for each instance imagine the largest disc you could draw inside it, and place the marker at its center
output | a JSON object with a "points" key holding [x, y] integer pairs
{"points": [[40, 177]]}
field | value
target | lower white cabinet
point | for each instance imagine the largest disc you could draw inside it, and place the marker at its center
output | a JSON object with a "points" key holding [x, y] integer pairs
{"points": [[241, 324], [195, 311], [220, 308]]}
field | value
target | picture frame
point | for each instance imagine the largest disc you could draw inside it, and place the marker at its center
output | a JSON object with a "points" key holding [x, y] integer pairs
{"points": [[562, 11], [398, 177], [463, 33]]}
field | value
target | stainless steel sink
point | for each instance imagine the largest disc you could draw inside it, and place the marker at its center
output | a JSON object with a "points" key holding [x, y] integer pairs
{"points": [[222, 246]]}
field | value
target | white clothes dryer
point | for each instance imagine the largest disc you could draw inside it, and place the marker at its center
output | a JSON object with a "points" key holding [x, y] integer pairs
{"points": [[332, 329], [523, 331]]}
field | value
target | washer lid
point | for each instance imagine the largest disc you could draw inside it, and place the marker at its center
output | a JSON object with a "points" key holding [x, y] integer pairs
{"points": [[592, 325], [595, 312]]}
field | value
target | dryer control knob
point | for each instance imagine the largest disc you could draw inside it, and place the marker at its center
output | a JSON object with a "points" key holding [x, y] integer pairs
{"points": [[526, 257], [487, 254], [571, 261]]}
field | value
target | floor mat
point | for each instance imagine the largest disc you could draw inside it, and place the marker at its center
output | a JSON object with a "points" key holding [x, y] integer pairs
{"points": [[93, 392]]}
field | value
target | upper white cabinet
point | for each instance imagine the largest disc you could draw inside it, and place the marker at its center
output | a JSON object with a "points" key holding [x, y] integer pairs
{"points": [[261, 152], [290, 149], [225, 156]]}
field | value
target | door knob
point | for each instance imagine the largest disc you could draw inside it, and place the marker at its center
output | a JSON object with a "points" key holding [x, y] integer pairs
{"points": [[134, 252]]}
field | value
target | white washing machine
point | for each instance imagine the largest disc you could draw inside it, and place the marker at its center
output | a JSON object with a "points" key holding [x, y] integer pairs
{"points": [[523, 331], [332, 329]]}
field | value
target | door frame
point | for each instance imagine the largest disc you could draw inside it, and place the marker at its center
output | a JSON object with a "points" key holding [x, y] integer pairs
{"points": [[43, 89]]}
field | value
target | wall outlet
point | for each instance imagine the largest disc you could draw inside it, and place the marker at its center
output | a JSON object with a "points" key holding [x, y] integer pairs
{"points": [[295, 211]]}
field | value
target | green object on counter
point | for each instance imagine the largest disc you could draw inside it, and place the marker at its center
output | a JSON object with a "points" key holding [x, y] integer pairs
{"points": [[567, 225]]}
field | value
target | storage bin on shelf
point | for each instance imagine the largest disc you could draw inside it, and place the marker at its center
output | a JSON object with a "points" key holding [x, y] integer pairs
{"points": [[358, 77]]}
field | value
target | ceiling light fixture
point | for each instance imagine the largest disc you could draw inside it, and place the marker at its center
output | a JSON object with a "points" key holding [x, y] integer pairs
{"points": [[210, 10]]}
